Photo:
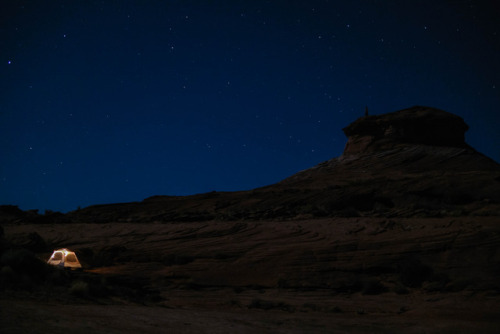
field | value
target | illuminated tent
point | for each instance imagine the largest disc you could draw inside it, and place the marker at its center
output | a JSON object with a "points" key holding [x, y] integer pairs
{"points": [[64, 258]]}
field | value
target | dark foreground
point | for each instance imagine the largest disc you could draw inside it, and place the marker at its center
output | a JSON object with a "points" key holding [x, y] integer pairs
{"points": [[336, 275]]}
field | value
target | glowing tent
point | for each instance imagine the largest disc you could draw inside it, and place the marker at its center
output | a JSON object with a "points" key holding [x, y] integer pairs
{"points": [[64, 258]]}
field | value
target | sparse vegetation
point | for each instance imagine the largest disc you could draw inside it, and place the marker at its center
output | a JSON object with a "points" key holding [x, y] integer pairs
{"points": [[79, 289], [25, 262]]}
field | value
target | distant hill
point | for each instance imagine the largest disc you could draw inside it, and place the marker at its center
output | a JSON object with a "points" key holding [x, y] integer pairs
{"points": [[409, 163]]}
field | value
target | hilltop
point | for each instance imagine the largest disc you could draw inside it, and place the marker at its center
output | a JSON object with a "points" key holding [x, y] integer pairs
{"points": [[408, 163]]}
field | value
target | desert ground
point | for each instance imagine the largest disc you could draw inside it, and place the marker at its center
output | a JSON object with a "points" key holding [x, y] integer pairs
{"points": [[332, 275]]}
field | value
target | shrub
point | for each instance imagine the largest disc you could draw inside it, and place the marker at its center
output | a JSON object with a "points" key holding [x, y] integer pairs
{"points": [[30, 241], [234, 302], [106, 256], [412, 273], [58, 277], [311, 306], [400, 289], [7, 277], [373, 287], [24, 262], [336, 309], [458, 285], [238, 289], [79, 289]]}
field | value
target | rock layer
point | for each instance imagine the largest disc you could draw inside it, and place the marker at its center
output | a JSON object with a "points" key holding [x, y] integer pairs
{"points": [[415, 125]]}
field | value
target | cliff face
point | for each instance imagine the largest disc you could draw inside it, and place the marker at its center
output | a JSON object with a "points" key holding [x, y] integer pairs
{"points": [[409, 162], [415, 125]]}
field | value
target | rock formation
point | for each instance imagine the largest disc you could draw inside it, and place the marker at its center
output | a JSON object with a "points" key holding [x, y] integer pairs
{"points": [[407, 163], [415, 125]]}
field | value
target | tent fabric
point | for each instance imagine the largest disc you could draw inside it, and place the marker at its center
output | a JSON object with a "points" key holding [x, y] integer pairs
{"points": [[64, 258]]}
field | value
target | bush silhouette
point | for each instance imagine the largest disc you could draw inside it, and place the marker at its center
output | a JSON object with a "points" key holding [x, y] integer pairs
{"points": [[23, 261]]}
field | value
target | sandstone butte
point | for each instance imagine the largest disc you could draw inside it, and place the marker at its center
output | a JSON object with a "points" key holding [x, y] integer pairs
{"points": [[412, 162], [408, 163]]}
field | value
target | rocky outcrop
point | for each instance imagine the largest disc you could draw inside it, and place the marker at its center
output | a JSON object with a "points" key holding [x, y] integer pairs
{"points": [[415, 125]]}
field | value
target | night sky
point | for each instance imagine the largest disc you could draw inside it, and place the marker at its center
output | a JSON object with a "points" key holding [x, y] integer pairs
{"points": [[116, 101]]}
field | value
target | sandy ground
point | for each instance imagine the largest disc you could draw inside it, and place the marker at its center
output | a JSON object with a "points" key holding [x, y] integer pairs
{"points": [[272, 277], [29, 316]]}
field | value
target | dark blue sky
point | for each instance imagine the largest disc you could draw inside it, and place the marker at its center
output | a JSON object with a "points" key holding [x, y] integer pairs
{"points": [[114, 101]]}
